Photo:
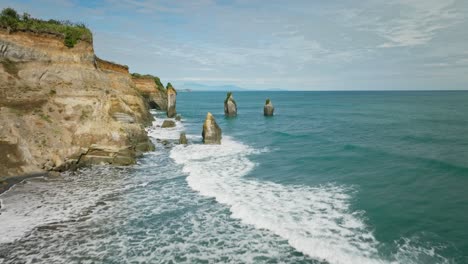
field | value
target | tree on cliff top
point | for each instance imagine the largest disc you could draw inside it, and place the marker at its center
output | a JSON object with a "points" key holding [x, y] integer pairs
{"points": [[71, 32]]}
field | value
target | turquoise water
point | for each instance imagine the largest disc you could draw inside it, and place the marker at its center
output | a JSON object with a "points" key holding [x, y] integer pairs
{"points": [[333, 177]]}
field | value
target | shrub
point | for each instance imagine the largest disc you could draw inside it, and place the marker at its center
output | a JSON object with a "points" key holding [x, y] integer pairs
{"points": [[267, 101], [10, 12], [71, 32]]}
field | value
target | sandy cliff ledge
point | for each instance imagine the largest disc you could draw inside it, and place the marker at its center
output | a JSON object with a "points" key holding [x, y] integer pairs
{"points": [[63, 107]]}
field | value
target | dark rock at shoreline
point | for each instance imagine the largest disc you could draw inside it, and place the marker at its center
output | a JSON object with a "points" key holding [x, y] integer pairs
{"points": [[211, 131], [168, 124], [178, 118], [268, 109], [230, 106], [183, 139]]}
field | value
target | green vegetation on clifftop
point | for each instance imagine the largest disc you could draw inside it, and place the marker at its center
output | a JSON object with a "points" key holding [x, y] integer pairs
{"points": [[71, 32], [149, 76]]}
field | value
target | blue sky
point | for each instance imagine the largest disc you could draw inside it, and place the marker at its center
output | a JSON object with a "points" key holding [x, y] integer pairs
{"points": [[296, 45]]}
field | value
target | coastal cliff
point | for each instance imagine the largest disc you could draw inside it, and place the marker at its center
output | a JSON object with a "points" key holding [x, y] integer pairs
{"points": [[151, 88], [62, 107]]}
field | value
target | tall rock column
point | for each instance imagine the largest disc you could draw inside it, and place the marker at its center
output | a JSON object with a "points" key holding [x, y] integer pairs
{"points": [[211, 131], [230, 106], [268, 109], [171, 101]]}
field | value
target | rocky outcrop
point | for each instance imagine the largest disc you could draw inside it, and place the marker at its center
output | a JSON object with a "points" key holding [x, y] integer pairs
{"points": [[63, 107], [183, 139], [171, 101], [230, 106], [211, 132], [268, 109], [152, 90], [168, 124]]}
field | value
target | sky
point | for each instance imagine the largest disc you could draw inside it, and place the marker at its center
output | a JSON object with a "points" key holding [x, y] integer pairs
{"points": [[272, 44]]}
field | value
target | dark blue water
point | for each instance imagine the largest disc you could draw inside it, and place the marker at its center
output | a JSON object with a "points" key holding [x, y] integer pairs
{"points": [[333, 177]]}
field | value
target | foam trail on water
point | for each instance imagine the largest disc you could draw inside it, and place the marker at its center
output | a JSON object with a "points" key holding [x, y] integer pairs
{"points": [[172, 133], [315, 220]]}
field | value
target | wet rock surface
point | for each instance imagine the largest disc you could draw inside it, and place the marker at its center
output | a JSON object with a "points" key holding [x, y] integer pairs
{"points": [[211, 131], [230, 106]]}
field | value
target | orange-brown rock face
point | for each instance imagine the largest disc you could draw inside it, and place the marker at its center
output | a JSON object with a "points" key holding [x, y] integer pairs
{"points": [[111, 66], [155, 96], [62, 107], [171, 102]]}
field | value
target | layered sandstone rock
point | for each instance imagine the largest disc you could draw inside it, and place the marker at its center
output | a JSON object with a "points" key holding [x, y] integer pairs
{"points": [[230, 106], [63, 107], [171, 101], [211, 132]]}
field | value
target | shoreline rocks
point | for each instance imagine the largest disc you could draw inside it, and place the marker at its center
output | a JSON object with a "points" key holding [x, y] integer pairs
{"points": [[230, 106], [211, 131], [182, 139], [168, 124], [268, 109]]}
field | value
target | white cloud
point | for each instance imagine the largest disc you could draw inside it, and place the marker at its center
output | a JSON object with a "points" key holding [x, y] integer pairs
{"points": [[416, 22]]}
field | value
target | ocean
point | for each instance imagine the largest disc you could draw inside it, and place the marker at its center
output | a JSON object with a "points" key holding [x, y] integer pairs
{"points": [[333, 177]]}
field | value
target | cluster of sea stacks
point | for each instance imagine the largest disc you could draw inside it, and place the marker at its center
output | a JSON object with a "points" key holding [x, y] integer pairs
{"points": [[212, 132]]}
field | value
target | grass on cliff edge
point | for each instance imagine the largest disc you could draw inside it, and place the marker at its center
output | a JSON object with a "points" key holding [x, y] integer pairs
{"points": [[71, 32]]}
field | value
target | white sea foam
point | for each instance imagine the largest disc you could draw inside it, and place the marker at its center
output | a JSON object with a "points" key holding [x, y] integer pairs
{"points": [[315, 220], [40, 201], [157, 219], [171, 133]]}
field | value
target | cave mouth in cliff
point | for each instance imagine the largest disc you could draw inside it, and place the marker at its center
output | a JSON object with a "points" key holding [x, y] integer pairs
{"points": [[154, 105]]}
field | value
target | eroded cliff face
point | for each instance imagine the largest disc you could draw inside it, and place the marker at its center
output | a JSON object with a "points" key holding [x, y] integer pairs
{"points": [[155, 96], [62, 107]]}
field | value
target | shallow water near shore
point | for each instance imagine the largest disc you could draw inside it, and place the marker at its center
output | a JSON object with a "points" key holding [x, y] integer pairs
{"points": [[333, 177]]}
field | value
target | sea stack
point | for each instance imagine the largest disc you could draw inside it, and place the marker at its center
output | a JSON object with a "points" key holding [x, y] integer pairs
{"points": [[171, 101], [183, 139], [268, 109], [230, 106], [211, 131]]}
